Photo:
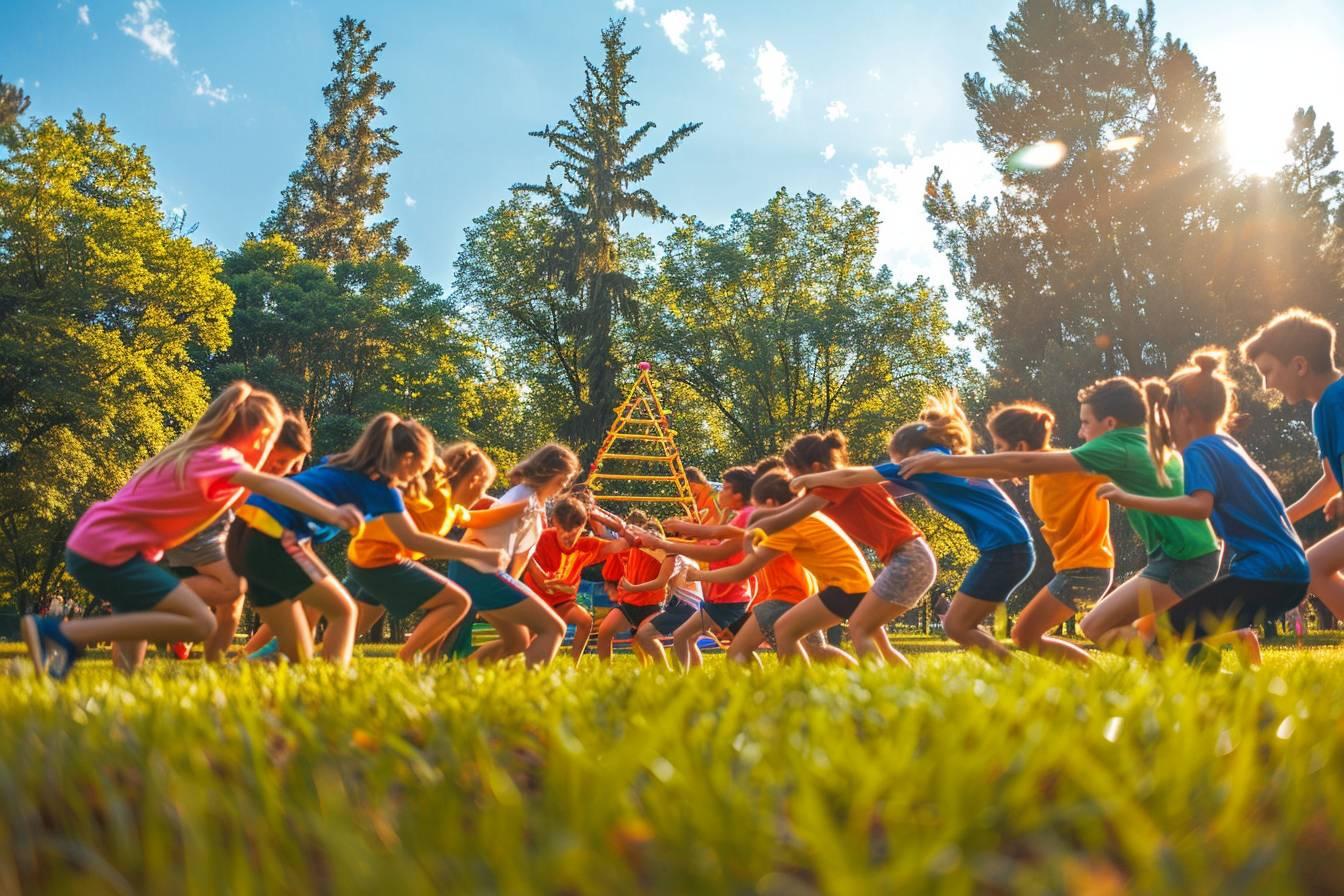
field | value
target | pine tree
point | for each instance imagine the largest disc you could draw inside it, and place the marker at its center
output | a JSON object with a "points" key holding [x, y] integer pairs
{"points": [[342, 184], [13, 103], [600, 169]]}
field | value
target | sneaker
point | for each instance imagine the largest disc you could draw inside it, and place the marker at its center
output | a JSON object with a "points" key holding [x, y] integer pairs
{"points": [[180, 649], [51, 651], [266, 651]]}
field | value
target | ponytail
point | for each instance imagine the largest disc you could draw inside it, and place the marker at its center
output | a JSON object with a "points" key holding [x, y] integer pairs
{"points": [[378, 450], [1160, 442], [942, 423], [241, 409], [830, 450], [1023, 422], [462, 460]]}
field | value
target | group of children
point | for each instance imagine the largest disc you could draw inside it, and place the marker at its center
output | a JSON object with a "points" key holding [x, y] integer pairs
{"points": [[775, 559]]}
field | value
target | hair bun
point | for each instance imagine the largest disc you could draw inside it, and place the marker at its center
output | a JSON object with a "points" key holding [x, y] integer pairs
{"points": [[1156, 391]]}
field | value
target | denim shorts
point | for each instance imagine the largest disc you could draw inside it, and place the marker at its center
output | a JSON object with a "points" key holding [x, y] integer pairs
{"points": [[724, 615], [1182, 576], [769, 612], [671, 619], [999, 572], [1080, 588]]}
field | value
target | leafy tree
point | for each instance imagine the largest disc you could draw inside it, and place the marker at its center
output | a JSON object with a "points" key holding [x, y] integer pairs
{"points": [[101, 305], [782, 323], [327, 208], [13, 103], [600, 167]]}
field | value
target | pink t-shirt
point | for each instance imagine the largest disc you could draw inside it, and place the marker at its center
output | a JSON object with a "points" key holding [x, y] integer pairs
{"points": [[154, 512], [733, 592]]}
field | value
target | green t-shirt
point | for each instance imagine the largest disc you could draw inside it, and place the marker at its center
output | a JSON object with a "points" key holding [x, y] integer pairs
{"points": [[1122, 456]]}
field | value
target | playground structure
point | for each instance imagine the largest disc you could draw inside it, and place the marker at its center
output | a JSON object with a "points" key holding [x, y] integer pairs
{"points": [[640, 448]]}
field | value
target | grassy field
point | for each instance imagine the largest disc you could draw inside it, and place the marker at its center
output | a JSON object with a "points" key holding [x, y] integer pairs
{"points": [[956, 778]]}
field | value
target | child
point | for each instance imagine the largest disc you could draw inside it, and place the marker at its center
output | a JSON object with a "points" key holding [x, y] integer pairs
{"points": [[271, 545], [706, 508], [1182, 554], [725, 602], [182, 490], [561, 555], [683, 601], [869, 516], [386, 576], [1269, 571], [637, 564], [200, 561], [991, 522], [524, 623], [819, 546], [1295, 354]]}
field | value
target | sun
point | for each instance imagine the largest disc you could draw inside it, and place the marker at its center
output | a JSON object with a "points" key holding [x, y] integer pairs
{"points": [[1257, 117]]}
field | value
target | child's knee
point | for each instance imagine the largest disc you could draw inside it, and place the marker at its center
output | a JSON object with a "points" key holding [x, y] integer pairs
{"points": [[1023, 639], [203, 627]]}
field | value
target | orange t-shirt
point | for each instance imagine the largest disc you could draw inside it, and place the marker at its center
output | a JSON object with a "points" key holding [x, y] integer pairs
{"points": [[869, 515], [1075, 523], [433, 513], [783, 578], [565, 565], [641, 567]]}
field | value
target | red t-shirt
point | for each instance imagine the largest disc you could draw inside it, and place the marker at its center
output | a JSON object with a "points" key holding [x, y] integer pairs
{"points": [[783, 578], [640, 567], [869, 515], [732, 592], [558, 563]]}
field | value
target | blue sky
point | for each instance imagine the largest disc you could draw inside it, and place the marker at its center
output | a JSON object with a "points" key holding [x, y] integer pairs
{"points": [[845, 98]]}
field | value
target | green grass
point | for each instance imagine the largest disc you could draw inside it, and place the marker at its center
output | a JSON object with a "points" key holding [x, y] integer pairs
{"points": [[957, 778]]}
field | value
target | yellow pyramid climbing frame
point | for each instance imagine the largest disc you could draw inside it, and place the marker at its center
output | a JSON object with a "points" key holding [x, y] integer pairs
{"points": [[645, 450]]}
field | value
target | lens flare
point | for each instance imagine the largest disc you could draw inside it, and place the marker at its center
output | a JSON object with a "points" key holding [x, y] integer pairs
{"points": [[1038, 156], [1124, 144]]}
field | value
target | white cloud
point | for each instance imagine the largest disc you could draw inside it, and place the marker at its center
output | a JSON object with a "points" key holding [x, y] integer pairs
{"points": [[776, 78], [710, 33], [675, 23], [410, 201], [909, 142], [829, 152], [212, 93], [625, 5], [155, 33], [879, 152], [905, 238], [836, 110], [875, 73], [83, 14]]}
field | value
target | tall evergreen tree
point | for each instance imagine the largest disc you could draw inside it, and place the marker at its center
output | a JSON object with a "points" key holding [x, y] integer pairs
{"points": [[600, 168], [328, 207], [13, 103]]}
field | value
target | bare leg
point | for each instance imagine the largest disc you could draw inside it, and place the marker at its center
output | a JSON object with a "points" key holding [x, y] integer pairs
{"points": [[962, 624], [1110, 624], [810, 615], [583, 629], [443, 611], [180, 616], [1044, 614], [539, 621], [1326, 558], [612, 623], [648, 639], [868, 632]]}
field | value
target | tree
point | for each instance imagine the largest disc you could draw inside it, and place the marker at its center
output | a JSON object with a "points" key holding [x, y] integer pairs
{"points": [[101, 306], [13, 103], [782, 323], [600, 169], [331, 199]]}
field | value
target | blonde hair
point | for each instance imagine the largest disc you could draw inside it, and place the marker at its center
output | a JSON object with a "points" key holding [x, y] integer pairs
{"points": [[943, 422], [1203, 387], [378, 450], [462, 460], [543, 465], [237, 411]]}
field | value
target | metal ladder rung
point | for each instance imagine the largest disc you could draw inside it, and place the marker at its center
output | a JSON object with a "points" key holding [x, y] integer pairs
{"points": [[651, 458], [631, 477], [660, 499]]}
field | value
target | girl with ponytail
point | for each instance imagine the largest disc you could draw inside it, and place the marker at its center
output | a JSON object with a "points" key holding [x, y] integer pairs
{"points": [[1269, 573], [978, 506], [270, 544], [116, 544], [1182, 553]]}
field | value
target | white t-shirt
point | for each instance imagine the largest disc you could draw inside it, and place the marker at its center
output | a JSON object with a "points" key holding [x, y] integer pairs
{"points": [[518, 535], [678, 587]]}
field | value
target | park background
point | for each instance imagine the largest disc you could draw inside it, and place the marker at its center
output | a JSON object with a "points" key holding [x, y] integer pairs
{"points": [[833, 216]]}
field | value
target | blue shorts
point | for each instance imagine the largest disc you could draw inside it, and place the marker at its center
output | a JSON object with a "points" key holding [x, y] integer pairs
{"points": [[488, 590], [402, 587], [999, 572], [671, 619], [131, 587], [725, 615]]}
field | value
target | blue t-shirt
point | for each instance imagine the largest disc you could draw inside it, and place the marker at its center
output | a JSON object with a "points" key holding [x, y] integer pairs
{"points": [[978, 506], [339, 486], [1327, 422], [1248, 513]]}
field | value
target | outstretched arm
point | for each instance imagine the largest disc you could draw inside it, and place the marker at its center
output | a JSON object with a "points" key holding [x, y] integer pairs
{"points": [[292, 495], [696, 551], [1316, 497], [844, 477], [403, 529], [1000, 465], [494, 515], [657, 583], [1198, 506], [699, 531], [780, 518], [735, 573]]}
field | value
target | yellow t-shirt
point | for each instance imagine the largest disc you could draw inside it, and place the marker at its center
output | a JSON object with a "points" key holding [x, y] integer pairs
{"points": [[1076, 523], [824, 550], [434, 514]]}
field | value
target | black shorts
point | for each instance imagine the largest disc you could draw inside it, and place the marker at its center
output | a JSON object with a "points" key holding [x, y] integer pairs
{"points": [[1232, 603], [839, 603], [637, 613], [275, 572]]}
